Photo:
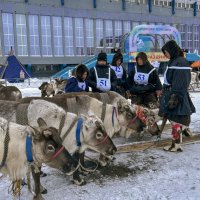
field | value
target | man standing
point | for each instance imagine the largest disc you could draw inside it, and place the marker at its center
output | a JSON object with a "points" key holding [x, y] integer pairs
{"points": [[175, 103], [101, 77]]}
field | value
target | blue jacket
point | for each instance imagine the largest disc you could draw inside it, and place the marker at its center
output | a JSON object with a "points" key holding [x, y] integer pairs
{"points": [[72, 86]]}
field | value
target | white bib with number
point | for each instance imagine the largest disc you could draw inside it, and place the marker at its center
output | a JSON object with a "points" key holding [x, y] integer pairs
{"points": [[82, 85], [118, 70], [103, 84], [142, 78]]}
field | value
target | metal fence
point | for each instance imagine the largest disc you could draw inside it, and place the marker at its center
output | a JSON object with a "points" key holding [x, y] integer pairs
{"points": [[26, 83]]}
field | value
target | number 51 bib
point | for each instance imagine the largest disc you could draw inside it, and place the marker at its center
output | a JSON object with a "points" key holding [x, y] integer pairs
{"points": [[103, 84]]}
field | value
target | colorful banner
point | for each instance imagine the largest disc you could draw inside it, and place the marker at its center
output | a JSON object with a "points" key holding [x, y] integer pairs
{"points": [[148, 37], [152, 56]]}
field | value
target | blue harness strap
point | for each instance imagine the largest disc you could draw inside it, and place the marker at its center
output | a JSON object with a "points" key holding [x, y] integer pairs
{"points": [[29, 154], [78, 131], [113, 114]]}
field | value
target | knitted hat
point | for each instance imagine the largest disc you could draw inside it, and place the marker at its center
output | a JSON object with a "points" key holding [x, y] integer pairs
{"points": [[102, 56], [173, 49]]}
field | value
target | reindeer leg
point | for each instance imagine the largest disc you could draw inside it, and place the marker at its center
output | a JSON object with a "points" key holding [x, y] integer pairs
{"points": [[36, 178], [77, 179], [164, 121], [82, 162], [76, 175], [103, 160]]}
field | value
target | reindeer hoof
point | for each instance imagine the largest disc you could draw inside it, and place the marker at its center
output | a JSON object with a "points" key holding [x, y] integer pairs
{"points": [[103, 163], [80, 182], [38, 197], [43, 190], [42, 174]]}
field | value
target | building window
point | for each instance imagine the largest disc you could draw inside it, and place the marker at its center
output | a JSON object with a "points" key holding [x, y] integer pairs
{"points": [[126, 27], [69, 40], [109, 35], [79, 34], [89, 36], [46, 36], [7, 19], [21, 35], [118, 33], [34, 35], [182, 31], [57, 34], [196, 38], [157, 2], [99, 35], [165, 3], [189, 37]]}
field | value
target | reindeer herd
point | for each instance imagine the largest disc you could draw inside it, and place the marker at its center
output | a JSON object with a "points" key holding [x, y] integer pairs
{"points": [[36, 130]]}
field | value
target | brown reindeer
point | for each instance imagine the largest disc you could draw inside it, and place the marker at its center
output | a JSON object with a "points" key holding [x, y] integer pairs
{"points": [[10, 93]]}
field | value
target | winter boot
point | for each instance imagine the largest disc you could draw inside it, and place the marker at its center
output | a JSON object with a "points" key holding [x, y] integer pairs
{"points": [[175, 147], [176, 139], [187, 132]]}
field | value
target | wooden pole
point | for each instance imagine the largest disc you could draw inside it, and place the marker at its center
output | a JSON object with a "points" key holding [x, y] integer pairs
{"points": [[141, 146]]}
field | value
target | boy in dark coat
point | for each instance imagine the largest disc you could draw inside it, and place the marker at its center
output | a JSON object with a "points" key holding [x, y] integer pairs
{"points": [[175, 104], [102, 78], [78, 82], [144, 83]]}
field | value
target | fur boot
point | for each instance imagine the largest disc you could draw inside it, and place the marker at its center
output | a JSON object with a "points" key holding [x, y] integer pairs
{"points": [[176, 139], [187, 132], [174, 147]]}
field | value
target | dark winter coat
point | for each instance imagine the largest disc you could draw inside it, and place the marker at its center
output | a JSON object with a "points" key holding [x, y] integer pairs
{"points": [[176, 93], [102, 71], [122, 81], [153, 82], [72, 86]]}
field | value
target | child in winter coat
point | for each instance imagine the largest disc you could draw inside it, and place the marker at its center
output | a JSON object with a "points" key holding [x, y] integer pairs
{"points": [[144, 83], [78, 83], [102, 78], [120, 72]]}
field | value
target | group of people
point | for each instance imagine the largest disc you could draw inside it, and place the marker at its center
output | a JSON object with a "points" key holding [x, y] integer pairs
{"points": [[143, 86]]}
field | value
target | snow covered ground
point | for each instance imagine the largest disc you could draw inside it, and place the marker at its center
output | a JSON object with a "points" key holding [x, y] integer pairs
{"points": [[146, 175]]}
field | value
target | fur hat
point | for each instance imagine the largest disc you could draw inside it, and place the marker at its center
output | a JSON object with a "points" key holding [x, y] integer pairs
{"points": [[102, 56], [143, 56], [80, 70], [173, 49], [116, 57]]}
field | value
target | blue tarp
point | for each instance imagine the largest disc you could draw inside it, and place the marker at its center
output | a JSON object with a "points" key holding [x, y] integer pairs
{"points": [[192, 57]]}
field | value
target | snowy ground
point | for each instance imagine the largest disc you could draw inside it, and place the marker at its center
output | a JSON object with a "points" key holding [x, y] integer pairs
{"points": [[146, 175]]}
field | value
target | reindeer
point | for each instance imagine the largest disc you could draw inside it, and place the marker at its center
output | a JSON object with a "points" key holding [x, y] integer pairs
{"points": [[52, 88], [10, 93]]}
